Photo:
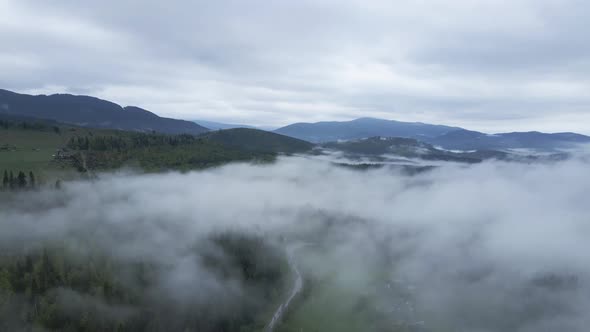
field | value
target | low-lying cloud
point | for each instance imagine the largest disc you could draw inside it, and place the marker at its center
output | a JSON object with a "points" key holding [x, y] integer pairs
{"points": [[488, 247]]}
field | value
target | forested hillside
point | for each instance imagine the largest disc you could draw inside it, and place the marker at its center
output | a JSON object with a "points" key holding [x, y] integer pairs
{"points": [[91, 112], [45, 147], [258, 140], [57, 287]]}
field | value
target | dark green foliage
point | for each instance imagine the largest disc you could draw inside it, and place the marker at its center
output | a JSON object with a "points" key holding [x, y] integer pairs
{"points": [[60, 289], [17, 123], [87, 150], [10, 182], [5, 180], [126, 141], [21, 180], [154, 152], [257, 140], [32, 181]]}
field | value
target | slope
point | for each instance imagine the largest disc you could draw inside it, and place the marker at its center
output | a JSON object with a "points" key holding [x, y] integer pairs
{"points": [[257, 140], [361, 128], [92, 112]]}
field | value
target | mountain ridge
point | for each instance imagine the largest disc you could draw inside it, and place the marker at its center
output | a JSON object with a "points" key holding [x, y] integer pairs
{"points": [[89, 111], [474, 140], [98, 113], [214, 125], [326, 131], [250, 139], [447, 137]]}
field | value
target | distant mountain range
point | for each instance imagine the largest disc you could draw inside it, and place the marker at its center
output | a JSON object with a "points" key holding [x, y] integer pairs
{"points": [[97, 113], [404, 147], [219, 125], [92, 112], [446, 137], [410, 148], [473, 140], [362, 128]]}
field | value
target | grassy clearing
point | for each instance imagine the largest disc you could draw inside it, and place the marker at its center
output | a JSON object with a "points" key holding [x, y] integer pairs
{"points": [[329, 308], [27, 149], [26, 146], [33, 150], [336, 297]]}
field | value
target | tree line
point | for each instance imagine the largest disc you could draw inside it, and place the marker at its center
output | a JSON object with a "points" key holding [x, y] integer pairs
{"points": [[38, 126], [58, 288], [20, 181], [133, 141]]}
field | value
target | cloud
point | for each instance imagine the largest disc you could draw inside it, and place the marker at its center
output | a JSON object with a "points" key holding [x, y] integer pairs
{"points": [[488, 247], [483, 64]]}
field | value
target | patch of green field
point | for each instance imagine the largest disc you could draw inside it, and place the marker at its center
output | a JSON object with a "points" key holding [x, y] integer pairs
{"points": [[28, 149], [330, 308], [32, 146], [336, 298], [33, 150]]}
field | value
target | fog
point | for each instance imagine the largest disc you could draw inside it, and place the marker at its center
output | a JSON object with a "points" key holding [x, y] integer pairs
{"points": [[489, 247]]}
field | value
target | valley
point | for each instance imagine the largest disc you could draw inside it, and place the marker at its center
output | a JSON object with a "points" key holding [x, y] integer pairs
{"points": [[243, 229]]}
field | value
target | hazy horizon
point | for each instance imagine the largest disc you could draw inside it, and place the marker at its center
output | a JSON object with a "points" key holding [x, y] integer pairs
{"points": [[271, 128]]}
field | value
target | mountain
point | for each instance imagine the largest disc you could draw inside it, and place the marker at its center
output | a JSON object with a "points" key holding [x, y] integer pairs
{"points": [[473, 140], [257, 140], [92, 112], [52, 149], [399, 146], [219, 125], [383, 148], [362, 128], [443, 136]]}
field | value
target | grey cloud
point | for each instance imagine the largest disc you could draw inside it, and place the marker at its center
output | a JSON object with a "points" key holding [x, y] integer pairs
{"points": [[460, 62]]}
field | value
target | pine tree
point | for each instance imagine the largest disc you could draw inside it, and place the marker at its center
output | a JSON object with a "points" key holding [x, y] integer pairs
{"points": [[21, 179], [11, 181], [32, 181], [5, 180]]}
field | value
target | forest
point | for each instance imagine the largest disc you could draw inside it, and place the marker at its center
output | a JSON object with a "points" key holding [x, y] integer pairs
{"points": [[57, 287]]}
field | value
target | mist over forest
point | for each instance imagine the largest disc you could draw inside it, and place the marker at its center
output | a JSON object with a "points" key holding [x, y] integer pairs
{"points": [[496, 246], [295, 166]]}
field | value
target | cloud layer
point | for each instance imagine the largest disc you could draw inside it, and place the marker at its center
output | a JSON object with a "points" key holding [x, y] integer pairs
{"points": [[487, 65], [488, 247]]}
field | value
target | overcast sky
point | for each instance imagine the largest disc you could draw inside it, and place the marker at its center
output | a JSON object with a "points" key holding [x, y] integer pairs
{"points": [[494, 65]]}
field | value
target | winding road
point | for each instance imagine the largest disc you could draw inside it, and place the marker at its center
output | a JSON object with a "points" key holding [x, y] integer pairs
{"points": [[297, 287]]}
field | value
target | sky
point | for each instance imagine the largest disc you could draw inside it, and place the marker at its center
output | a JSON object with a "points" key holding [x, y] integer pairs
{"points": [[488, 65]]}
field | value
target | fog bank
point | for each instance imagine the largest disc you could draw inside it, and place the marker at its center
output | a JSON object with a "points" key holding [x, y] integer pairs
{"points": [[488, 247]]}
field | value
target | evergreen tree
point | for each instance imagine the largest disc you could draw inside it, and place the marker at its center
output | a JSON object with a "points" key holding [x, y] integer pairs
{"points": [[21, 179], [11, 181], [5, 180], [32, 181]]}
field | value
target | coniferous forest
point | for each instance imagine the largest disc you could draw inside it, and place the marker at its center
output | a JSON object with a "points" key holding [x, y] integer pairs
{"points": [[59, 287]]}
